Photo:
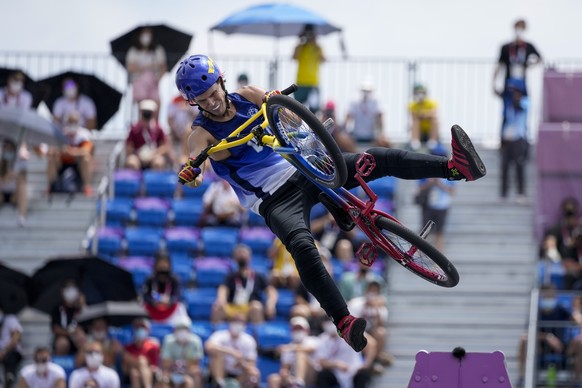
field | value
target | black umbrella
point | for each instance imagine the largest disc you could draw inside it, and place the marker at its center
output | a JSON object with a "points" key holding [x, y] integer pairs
{"points": [[30, 85], [116, 313], [174, 42], [13, 290], [105, 97], [99, 281]]}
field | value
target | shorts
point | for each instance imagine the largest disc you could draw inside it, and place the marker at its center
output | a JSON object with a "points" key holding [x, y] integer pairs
{"points": [[439, 216], [231, 310]]}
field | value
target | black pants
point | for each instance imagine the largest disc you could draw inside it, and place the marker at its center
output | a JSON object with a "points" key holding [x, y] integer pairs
{"points": [[514, 153], [10, 363], [287, 213], [326, 379]]}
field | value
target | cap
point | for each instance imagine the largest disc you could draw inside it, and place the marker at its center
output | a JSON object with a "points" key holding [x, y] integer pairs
{"points": [[330, 105], [299, 322], [367, 86], [142, 322], [149, 105]]}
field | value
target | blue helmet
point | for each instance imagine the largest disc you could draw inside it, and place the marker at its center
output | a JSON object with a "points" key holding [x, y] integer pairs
{"points": [[195, 75]]}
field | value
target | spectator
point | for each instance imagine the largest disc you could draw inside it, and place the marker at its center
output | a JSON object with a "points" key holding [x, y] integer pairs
{"points": [[566, 227], [573, 263], [364, 120], [98, 331], [142, 356], [373, 308], [283, 274], [10, 352], [355, 283], [73, 101], [233, 353], [182, 353], [13, 169], [309, 56], [146, 145], [42, 373], [425, 125], [145, 62], [65, 328], [242, 80], [77, 153], [338, 365], [162, 292], [221, 205], [14, 94], [341, 137], [574, 350], [326, 230], [180, 119], [94, 373], [296, 363], [244, 292]]}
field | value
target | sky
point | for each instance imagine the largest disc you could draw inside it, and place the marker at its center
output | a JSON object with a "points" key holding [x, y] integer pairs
{"points": [[371, 28]]}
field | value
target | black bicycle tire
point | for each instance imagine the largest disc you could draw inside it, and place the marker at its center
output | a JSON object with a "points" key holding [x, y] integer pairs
{"points": [[331, 147], [431, 252]]}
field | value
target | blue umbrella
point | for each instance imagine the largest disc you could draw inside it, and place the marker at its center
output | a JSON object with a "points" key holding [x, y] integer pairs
{"points": [[278, 20]]}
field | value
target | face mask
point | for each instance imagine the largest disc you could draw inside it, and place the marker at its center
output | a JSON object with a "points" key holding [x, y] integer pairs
{"points": [[94, 359], [242, 263], [41, 367], [70, 294], [329, 328], [298, 336], [147, 115], [145, 39], [163, 273], [236, 328], [548, 304], [70, 92], [99, 335], [140, 334], [371, 296], [182, 335], [519, 33], [8, 155], [15, 86]]}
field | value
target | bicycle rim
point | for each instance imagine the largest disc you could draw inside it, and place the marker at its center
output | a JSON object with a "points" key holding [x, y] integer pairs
{"points": [[316, 153], [426, 261]]}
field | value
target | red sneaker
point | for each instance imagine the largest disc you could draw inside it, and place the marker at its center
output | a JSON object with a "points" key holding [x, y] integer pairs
{"points": [[465, 162], [351, 329]]}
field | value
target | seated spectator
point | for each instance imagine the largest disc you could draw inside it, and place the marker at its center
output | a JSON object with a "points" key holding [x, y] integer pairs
{"points": [[98, 331], [73, 101], [284, 273], [341, 137], [296, 364], [182, 353], [425, 125], [94, 373], [14, 94], [355, 283], [337, 363], [245, 292], [147, 145], [66, 331], [10, 350], [161, 293], [78, 153], [13, 168], [566, 226], [42, 373], [233, 354], [142, 356], [364, 120], [180, 119], [221, 205], [373, 308]]}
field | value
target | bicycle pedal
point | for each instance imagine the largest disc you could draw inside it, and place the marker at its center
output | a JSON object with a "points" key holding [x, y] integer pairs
{"points": [[367, 254], [365, 164]]}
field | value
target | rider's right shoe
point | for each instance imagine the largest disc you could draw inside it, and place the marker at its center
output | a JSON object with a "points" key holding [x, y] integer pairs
{"points": [[352, 329], [465, 163]]}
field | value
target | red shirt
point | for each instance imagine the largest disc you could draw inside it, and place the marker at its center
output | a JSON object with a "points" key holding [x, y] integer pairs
{"points": [[138, 138], [149, 348]]}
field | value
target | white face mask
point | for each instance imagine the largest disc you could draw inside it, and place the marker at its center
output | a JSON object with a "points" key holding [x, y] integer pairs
{"points": [[298, 336], [519, 33], [145, 39], [182, 335], [329, 328], [94, 360], [15, 86], [236, 328], [41, 367], [70, 294]]}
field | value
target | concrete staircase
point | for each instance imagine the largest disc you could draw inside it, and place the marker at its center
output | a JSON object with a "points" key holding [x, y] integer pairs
{"points": [[492, 245]]}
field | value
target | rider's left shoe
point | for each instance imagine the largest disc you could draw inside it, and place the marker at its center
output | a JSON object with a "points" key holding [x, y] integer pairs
{"points": [[465, 163], [352, 329]]}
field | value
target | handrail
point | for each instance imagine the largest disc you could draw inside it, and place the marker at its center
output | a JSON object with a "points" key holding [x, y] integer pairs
{"points": [[531, 349]]}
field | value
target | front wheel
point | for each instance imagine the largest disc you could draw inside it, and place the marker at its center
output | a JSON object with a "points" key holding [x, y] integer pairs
{"points": [[316, 153], [418, 255]]}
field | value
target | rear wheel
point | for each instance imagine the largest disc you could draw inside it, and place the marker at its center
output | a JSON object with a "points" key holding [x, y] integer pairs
{"points": [[418, 255], [316, 153]]}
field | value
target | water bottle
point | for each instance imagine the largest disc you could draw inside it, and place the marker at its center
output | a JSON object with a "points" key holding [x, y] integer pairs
{"points": [[552, 377]]}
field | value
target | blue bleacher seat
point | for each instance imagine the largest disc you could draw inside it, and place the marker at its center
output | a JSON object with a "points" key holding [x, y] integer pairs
{"points": [[143, 241], [151, 211], [210, 272], [122, 334], [255, 219], [267, 366], [160, 184], [159, 331], [118, 211], [271, 334], [384, 187], [199, 302], [109, 241], [182, 267], [182, 240], [285, 302], [261, 264], [203, 329], [259, 239], [127, 183], [65, 362], [196, 192], [551, 273], [187, 211], [219, 240]]}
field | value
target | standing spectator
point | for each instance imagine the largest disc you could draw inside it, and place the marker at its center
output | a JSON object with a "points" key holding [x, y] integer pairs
{"points": [[425, 124], [65, 328], [43, 373], [10, 352], [309, 56], [180, 119], [146, 64], [13, 169], [147, 145], [341, 137], [77, 153], [162, 292], [73, 101], [94, 373], [296, 363], [14, 94], [355, 283], [182, 353], [364, 120], [221, 205], [338, 365], [244, 292], [233, 353], [142, 356]]}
